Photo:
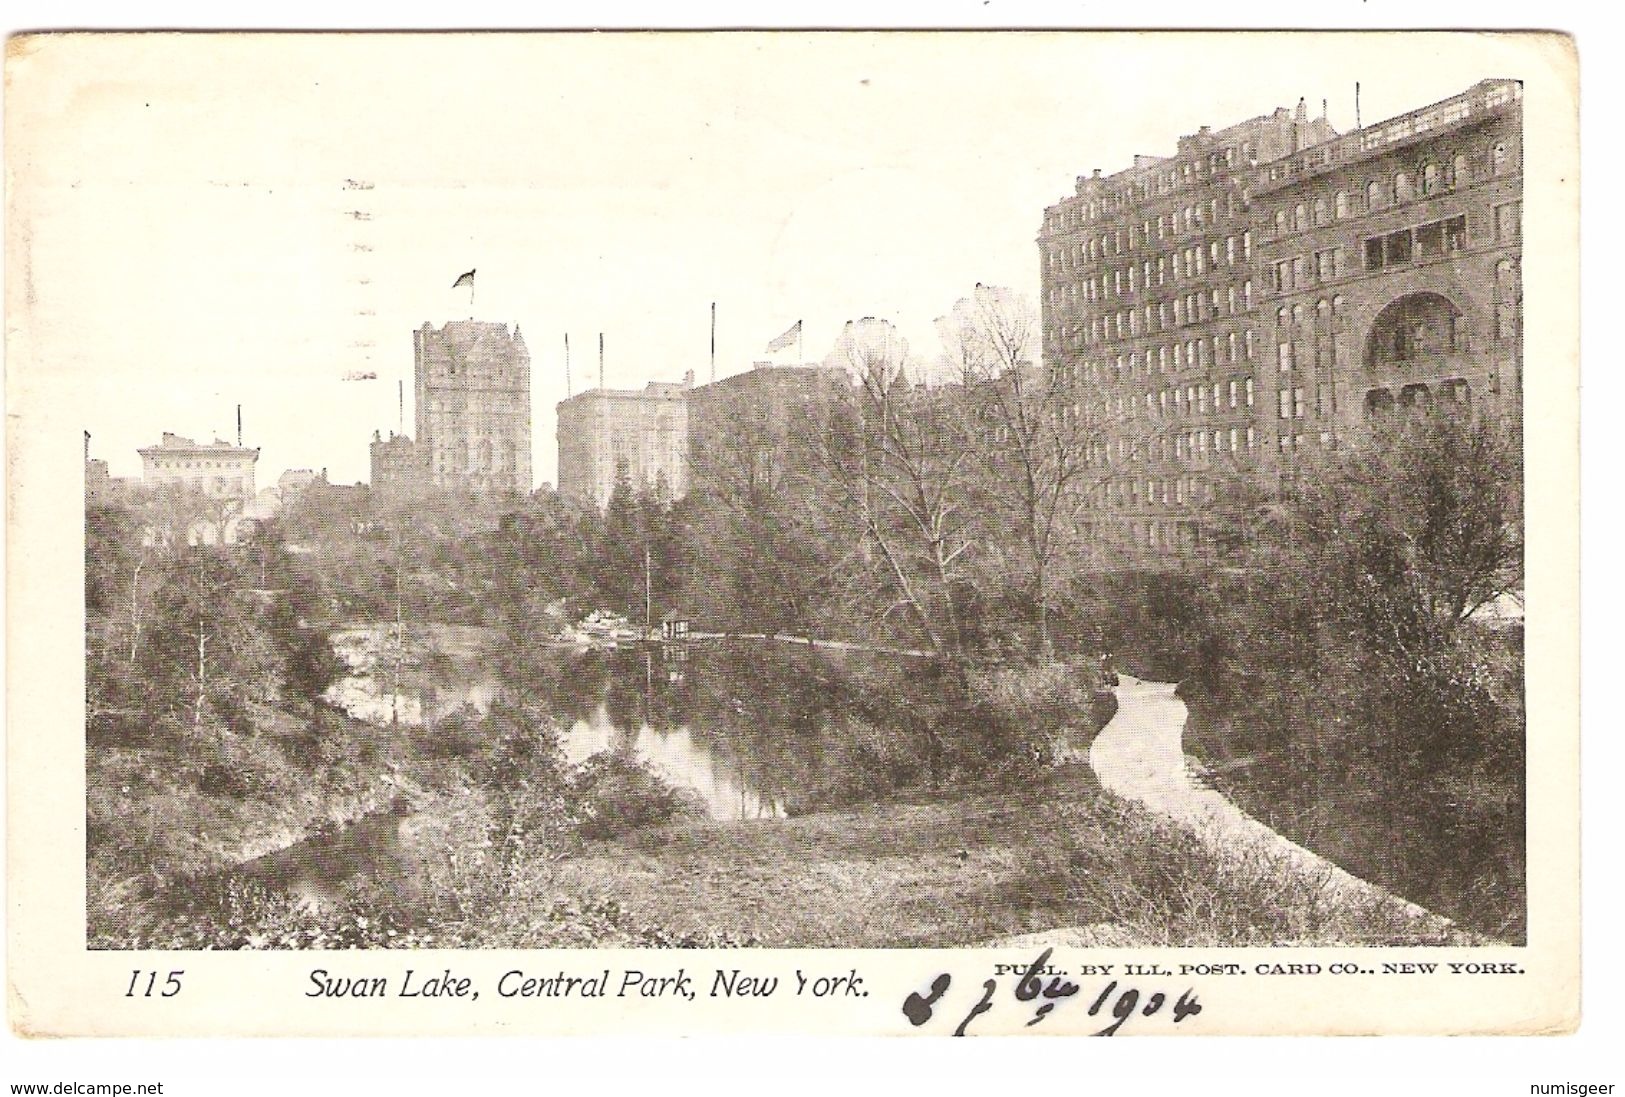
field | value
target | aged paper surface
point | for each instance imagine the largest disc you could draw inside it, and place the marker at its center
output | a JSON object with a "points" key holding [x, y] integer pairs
{"points": [[921, 821]]}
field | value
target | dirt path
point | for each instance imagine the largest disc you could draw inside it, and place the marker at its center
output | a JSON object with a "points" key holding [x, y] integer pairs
{"points": [[1140, 756]]}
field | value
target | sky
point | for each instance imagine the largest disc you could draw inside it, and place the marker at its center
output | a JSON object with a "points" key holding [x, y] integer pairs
{"points": [[191, 241]]}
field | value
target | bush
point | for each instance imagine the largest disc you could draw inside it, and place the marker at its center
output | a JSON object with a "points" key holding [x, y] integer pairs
{"points": [[1021, 714], [1161, 884], [615, 794]]}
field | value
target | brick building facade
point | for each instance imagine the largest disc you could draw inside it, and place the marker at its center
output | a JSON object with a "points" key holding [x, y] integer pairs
{"points": [[472, 405], [397, 465], [602, 432], [1222, 308], [1392, 269]]}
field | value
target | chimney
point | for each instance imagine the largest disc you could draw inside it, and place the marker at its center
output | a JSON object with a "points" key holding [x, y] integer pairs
{"points": [[688, 379], [239, 426]]}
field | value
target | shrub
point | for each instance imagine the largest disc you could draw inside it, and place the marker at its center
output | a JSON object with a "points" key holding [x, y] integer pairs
{"points": [[616, 794]]}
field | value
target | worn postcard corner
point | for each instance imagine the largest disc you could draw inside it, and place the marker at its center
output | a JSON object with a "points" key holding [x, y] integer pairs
{"points": [[773, 532]]}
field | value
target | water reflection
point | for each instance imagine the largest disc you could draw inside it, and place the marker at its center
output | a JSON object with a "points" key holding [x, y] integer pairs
{"points": [[676, 755], [757, 731]]}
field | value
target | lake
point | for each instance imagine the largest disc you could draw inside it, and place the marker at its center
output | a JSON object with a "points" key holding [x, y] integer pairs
{"points": [[757, 730]]}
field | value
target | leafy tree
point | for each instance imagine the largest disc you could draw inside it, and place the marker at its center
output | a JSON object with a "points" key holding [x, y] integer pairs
{"points": [[1357, 660], [758, 530]]}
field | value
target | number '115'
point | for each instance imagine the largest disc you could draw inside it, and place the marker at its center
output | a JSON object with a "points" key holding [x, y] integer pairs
{"points": [[172, 984]]}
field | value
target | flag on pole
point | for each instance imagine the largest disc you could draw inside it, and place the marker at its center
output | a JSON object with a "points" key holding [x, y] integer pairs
{"points": [[463, 280], [785, 340]]}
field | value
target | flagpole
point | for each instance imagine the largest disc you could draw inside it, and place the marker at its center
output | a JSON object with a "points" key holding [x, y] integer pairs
{"points": [[567, 390], [713, 341]]}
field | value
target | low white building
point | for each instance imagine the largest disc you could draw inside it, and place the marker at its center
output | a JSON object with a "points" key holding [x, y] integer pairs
{"points": [[218, 469]]}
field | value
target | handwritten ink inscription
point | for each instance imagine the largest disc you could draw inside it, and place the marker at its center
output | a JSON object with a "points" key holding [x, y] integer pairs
{"points": [[1043, 989]]}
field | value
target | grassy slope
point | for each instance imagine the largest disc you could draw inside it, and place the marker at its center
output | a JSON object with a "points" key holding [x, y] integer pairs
{"points": [[1059, 852], [883, 875]]}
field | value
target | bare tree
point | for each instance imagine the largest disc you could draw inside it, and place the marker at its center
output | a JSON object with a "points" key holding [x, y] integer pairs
{"points": [[1029, 429], [898, 462]]}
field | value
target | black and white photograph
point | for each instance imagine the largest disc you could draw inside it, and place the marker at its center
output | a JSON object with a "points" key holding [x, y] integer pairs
{"points": [[716, 493]]}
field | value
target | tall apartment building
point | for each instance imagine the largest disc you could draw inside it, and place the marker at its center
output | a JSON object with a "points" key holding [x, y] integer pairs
{"points": [[1219, 309], [603, 432], [472, 392]]}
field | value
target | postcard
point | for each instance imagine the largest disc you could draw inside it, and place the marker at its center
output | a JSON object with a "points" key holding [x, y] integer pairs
{"points": [[918, 533]]}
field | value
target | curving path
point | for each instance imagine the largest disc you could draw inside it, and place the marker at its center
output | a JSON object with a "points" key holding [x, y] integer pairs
{"points": [[1139, 755]]}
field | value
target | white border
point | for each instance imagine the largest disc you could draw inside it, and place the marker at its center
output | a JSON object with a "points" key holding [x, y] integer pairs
{"points": [[1253, 1066]]}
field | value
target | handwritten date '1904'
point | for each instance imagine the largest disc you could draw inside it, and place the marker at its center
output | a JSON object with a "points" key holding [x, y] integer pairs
{"points": [[1032, 987]]}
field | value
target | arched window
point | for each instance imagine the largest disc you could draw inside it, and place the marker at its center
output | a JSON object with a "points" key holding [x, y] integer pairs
{"points": [[1499, 159], [1320, 211], [1337, 305], [1280, 222], [1373, 194], [1323, 311], [1402, 187], [1300, 217], [1432, 180], [1280, 316], [1341, 204], [1460, 173]]}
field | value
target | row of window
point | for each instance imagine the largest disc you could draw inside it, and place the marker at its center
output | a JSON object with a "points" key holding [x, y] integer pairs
{"points": [[1298, 316], [1195, 257], [1423, 242], [1303, 271], [1292, 402], [1429, 241], [1229, 348], [238, 464], [214, 485], [1192, 445], [1187, 173], [1187, 308], [1454, 393], [1199, 399], [1164, 491], [1289, 441], [1430, 178], [1434, 178], [1177, 312]]}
